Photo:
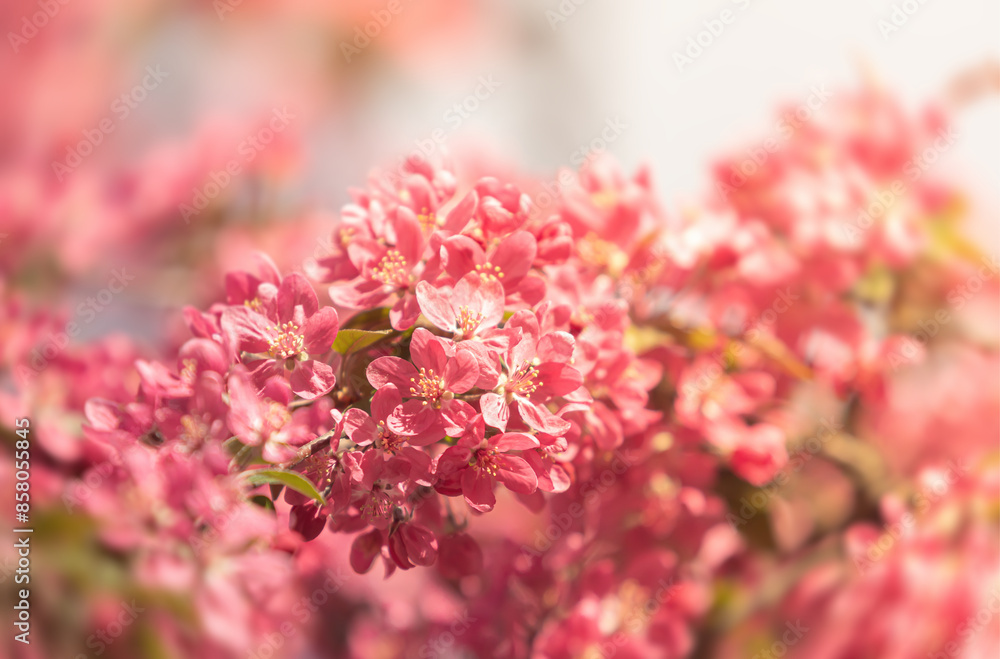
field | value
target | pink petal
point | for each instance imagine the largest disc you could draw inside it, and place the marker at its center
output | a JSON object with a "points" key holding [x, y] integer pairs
{"points": [[456, 416], [295, 291], [516, 474], [556, 347], [539, 418], [459, 556], [247, 329], [412, 418], [364, 549], [421, 545], [477, 487], [428, 351], [515, 254], [461, 372], [361, 293], [435, 305], [207, 355], [496, 412], [359, 426], [404, 313], [391, 370], [556, 380], [245, 414], [312, 378], [409, 236], [461, 255], [320, 331], [460, 215], [514, 441], [385, 400]]}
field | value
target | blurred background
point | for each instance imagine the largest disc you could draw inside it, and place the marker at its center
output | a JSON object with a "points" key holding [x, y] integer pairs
{"points": [[533, 83]]}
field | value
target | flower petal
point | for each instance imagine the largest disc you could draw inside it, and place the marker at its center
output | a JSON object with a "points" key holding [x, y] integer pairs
{"points": [[496, 412], [477, 487], [320, 331], [296, 291], [391, 370], [436, 306], [312, 378], [516, 474]]}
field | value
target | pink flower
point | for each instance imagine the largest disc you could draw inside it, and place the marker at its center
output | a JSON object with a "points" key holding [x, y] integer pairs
{"points": [[386, 271], [507, 262], [364, 429], [476, 461], [377, 480], [264, 419], [411, 544], [536, 370], [474, 305], [755, 453], [437, 373], [295, 332], [707, 395]]}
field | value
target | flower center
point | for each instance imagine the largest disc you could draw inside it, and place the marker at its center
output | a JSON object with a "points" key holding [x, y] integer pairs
{"points": [[486, 460], [277, 415], [429, 386], [488, 271], [194, 430], [377, 504], [346, 236], [189, 370], [287, 343], [428, 221], [523, 381], [254, 305], [392, 270], [388, 441], [321, 468], [468, 321]]}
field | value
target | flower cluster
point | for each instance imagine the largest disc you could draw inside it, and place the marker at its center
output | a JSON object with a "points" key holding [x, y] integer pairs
{"points": [[597, 427]]}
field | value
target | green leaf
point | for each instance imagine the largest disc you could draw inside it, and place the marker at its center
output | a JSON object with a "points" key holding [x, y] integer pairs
{"points": [[352, 340], [376, 317], [292, 479], [263, 501]]}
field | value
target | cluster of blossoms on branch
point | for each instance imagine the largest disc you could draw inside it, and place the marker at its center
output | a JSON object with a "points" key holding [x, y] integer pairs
{"points": [[659, 396]]}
